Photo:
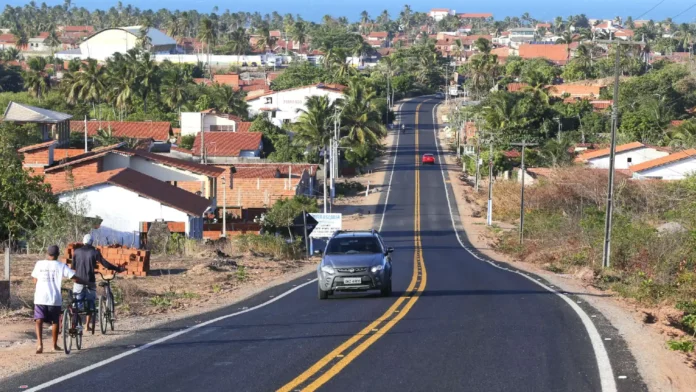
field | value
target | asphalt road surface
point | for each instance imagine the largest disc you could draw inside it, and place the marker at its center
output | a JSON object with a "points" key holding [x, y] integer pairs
{"points": [[454, 322]]}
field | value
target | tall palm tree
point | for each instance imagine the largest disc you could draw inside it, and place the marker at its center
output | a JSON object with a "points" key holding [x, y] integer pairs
{"points": [[335, 61], [557, 152], [299, 34], [360, 118], [266, 41], [146, 77], [175, 82], [36, 80], [207, 33], [89, 85], [239, 41], [52, 41], [314, 127]]}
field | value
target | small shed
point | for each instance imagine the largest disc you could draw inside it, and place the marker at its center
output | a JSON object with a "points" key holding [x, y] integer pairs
{"points": [[53, 125]]}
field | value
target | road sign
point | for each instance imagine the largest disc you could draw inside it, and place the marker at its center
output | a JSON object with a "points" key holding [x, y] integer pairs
{"points": [[298, 225], [327, 224]]}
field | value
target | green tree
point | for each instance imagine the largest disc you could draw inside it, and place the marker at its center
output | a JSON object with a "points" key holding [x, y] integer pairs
{"points": [[360, 119], [207, 33], [187, 141], [314, 127], [284, 211]]}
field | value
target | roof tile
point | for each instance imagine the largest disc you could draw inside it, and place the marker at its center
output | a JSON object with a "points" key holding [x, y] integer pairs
{"points": [[606, 151], [677, 156], [558, 53], [38, 146], [227, 144], [157, 130]]}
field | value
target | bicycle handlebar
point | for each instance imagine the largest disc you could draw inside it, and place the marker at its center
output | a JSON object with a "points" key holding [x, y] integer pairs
{"points": [[110, 279]]}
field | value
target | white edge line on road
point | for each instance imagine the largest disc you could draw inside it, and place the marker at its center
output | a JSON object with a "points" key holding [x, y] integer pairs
{"points": [[606, 374], [396, 152], [163, 339], [192, 328]]}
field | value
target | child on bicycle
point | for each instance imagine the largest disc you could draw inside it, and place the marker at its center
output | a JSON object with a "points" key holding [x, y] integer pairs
{"points": [[48, 275]]}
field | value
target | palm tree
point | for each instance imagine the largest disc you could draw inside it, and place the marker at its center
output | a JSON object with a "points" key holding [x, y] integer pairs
{"points": [[314, 127], [558, 24], [299, 34], [360, 118], [229, 101], [682, 137], [146, 77], [12, 54], [239, 41], [458, 50], [364, 19], [36, 80], [52, 41], [208, 35], [175, 92], [89, 85], [265, 39], [557, 152], [335, 61]]}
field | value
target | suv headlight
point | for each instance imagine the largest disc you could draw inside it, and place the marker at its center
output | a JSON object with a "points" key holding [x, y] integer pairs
{"points": [[328, 269], [377, 268]]}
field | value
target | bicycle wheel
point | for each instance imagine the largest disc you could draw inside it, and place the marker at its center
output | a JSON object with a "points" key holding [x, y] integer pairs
{"points": [[78, 331], [102, 314], [112, 311], [67, 340]]}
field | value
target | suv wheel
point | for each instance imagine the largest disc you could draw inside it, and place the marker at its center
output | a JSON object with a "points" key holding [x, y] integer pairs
{"points": [[322, 294], [386, 290]]}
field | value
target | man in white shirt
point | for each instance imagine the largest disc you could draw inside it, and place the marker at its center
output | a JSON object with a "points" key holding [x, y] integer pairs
{"points": [[48, 276]]}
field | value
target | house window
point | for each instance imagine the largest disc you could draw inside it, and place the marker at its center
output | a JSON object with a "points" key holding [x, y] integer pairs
{"points": [[629, 159], [269, 100], [273, 114]]}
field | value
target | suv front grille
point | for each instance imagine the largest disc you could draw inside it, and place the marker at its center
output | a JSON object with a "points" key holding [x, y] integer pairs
{"points": [[351, 270]]}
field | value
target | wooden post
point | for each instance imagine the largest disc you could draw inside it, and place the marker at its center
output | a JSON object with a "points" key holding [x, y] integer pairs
{"points": [[5, 284], [7, 264], [367, 191]]}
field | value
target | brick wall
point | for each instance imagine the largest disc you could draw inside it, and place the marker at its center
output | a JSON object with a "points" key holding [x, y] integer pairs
{"points": [[60, 180], [190, 186], [257, 192], [40, 157]]}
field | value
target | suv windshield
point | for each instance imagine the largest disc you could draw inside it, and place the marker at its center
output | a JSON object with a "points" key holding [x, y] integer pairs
{"points": [[352, 245]]}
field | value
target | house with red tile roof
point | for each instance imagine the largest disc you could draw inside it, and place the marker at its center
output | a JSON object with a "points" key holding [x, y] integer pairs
{"points": [[627, 155], [160, 131], [555, 53], [675, 166], [474, 15], [123, 197]]}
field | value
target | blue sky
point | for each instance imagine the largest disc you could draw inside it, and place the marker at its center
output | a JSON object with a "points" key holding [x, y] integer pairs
{"points": [[315, 9]]}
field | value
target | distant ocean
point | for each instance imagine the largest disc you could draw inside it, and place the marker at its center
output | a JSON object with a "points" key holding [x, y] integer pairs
{"points": [[314, 10]]}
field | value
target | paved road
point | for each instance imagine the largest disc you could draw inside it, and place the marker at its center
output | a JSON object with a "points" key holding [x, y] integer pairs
{"points": [[453, 323]]}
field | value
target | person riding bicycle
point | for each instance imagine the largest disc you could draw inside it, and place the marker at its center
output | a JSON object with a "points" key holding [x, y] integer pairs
{"points": [[84, 262]]}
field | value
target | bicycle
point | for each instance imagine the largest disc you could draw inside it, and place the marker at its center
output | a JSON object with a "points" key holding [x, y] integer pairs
{"points": [[107, 313], [71, 324]]}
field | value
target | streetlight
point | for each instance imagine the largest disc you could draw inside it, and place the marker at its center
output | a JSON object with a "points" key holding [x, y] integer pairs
{"points": [[224, 207]]}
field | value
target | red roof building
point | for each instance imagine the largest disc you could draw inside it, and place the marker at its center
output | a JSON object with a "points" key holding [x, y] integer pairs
{"points": [[555, 53]]}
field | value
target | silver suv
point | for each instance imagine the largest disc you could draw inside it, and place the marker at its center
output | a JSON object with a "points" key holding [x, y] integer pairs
{"points": [[355, 261]]}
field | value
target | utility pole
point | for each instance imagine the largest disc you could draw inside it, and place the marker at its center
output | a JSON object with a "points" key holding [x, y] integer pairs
{"points": [[224, 207], [489, 220], [326, 151], [612, 153], [203, 160], [85, 133], [522, 174], [560, 127], [306, 237]]}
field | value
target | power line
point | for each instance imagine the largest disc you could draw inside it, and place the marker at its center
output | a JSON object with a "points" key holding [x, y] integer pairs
{"points": [[683, 12], [648, 11]]}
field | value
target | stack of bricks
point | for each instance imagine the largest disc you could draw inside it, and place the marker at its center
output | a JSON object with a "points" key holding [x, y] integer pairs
{"points": [[136, 261]]}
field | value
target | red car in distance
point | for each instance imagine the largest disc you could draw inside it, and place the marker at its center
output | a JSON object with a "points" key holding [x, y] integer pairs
{"points": [[428, 159]]}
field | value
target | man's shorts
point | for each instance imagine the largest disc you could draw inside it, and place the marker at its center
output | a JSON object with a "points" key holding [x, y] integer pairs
{"points": [[84, 295], [47, 313]]}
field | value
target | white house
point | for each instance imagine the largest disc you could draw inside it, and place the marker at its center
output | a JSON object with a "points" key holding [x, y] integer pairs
{"points": [[627, 155], [440, 13], [146, 199], [102, 45], [675, 166], [193, 122], [282, 106], [521, 35]]}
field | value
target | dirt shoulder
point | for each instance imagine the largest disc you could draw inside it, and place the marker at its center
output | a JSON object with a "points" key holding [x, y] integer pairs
{"points": [[660, 368], [176, 288]]}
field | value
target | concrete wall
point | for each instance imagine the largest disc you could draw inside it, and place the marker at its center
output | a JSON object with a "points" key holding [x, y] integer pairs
{"points": [[636, 156], [674, 171], [122, 211], [190, 123], [103, 45]]}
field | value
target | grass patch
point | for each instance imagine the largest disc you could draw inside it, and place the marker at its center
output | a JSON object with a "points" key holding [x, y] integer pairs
{"points": [[684, 345], [241, 273]]}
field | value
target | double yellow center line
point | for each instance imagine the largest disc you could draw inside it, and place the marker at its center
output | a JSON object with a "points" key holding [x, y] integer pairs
{"points": [[335, 361]]}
